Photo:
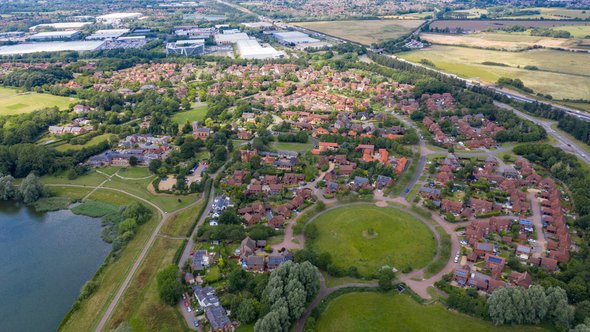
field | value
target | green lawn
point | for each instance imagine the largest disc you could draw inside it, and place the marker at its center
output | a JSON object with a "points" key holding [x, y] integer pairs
{"points": [[195, 114], [398, 312], [92, 142], [400, 238], [95, 209], [581, 31], [298, 147], [13, 102]]}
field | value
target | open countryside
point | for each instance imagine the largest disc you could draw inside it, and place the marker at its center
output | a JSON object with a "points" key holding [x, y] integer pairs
{"points": [[557, 70], [364, 32], [13, 101]]}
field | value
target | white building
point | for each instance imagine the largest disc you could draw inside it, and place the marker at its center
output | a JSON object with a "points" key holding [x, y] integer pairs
{"points": [[117, 18], [61, 26], [107, 34], [230, 38], [293, 37], [251, 49], [56, 35], [186, 47]]}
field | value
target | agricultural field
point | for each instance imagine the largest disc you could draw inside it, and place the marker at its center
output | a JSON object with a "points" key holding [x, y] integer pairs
{"points": [[14, 102], [195, 114], [557, 71], [555, 14], [481, 25], [515, 41], [578, 31], [364, 32], [368, 237], [410, 16], [399, 312]]}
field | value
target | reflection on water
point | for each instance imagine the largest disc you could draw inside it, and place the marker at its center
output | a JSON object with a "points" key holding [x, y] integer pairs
{"points": [[45, 258]]}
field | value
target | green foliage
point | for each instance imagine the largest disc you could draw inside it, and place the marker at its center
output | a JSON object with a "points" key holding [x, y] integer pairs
{"points": [[31, 189], [516, 305], [7, 189], [290, 288], [169, 287], [94, 209]]}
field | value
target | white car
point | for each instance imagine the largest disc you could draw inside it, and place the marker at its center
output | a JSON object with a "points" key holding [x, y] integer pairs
{"points": [[456, 259], [189, 309]]}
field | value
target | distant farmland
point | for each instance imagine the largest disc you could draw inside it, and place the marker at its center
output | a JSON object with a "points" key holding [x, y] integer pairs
{"points": [[13, 102], [560, 74], [481, 25], [364, 32]]}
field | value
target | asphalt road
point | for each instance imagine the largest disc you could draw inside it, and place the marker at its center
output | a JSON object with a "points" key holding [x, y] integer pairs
{"points": [[563, 142]]}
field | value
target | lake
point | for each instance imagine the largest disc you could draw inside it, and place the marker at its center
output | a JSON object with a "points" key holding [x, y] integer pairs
{"points": [[44, 261]]}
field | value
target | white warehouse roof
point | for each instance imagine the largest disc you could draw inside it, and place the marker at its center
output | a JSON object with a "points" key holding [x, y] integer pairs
{"points": [[294, 37], [231, 38], [251, 49], [26, 48], [61, 25]]}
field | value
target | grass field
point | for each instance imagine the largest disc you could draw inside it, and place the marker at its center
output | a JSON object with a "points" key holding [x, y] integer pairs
{"points": [[298, 147], [398, 312], [140, 306], [503, 40], [95, 209], [578, 31], [109, 280], [555, 14], [92, 142], [364, 31], [195, 114], [558, 71], [13, 102], [399, 239]]}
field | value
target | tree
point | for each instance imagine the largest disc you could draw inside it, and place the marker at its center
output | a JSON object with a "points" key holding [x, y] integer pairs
{"points": [[137, 211], [582, 312], [31, 189], [229, 217], [385, 277], [7, 189], [247, 311], [169, 287], [133, 161], [558, 308], [154, 165]]}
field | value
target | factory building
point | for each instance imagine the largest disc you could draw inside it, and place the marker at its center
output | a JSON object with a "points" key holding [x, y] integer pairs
{"points": [[189, 47], [293, 37], [107, 34], [251, 49], [55, 35]]}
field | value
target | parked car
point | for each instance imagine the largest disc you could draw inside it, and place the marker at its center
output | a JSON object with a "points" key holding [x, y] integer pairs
{"points": [[189, 309], [196, 322]]}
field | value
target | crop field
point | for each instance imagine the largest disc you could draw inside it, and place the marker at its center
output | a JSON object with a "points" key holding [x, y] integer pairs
{"points": [[515, 41], [14, 102], [398, 312], [555, 14], [368, 237], [364, 32], [481, 25], [557, 72]]}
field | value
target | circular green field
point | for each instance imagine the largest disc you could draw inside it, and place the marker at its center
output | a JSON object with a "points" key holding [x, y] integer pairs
{"points": [[368, 237]]}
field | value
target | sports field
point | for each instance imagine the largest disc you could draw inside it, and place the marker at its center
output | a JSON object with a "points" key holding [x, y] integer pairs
{"points": [[364, 31], [560, 74], [369, 237], [398, 312], [14, 102]]}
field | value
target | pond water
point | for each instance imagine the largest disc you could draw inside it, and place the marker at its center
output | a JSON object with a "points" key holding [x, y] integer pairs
{"points": [[44, 261]]}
